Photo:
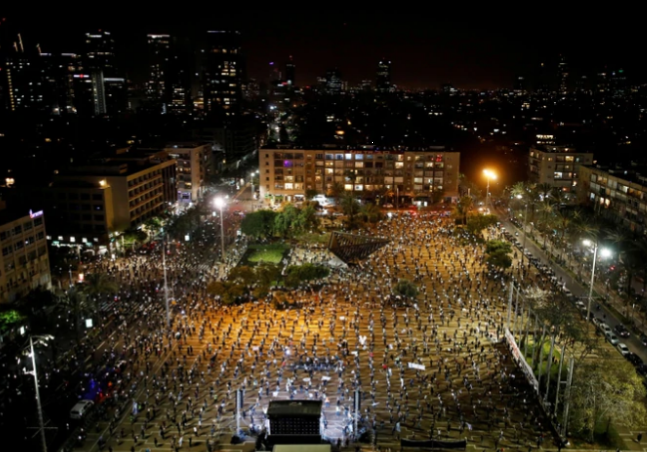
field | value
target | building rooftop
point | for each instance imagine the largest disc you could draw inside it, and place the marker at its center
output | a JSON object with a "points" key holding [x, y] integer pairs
{"points": [[186, 144], [13, 214], [557, 149], [366, 147], [635, 175]]}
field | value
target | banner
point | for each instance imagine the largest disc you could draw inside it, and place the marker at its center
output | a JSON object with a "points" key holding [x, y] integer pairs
{"points": [[521, 361]]}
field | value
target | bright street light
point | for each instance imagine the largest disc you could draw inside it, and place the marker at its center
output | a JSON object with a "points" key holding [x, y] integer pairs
{"points": [[490, 175], [605, 252], [220, 203]]}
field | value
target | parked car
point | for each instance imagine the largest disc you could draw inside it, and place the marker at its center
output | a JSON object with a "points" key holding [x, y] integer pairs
{"points": [[605, 328], [623, 349], [621, 330], [81, 409], [612, 338], [634, 359], [388, 205]]}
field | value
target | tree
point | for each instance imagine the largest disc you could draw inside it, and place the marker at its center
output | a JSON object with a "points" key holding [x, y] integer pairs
{"points": [[497, 253], [370, 213], [308, 219], [604, 393], [350, 206], [632, 251], [476, 223], [311, 193], [297, 274], [463, 208], [337, 190], [99, 283], [406, 289], [286, 220], [76, 303], [259, 224]]}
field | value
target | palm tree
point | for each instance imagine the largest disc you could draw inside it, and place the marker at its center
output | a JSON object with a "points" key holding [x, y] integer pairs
{"points": [[336, 191], [99, 283], [562, 224], [632, 252], [350, 206], [76, 302], [463, 208], [371, 213], [543, 190]]}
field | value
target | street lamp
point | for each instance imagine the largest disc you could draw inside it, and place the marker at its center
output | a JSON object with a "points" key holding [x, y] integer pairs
{"points": [[220, 203], [39, 340], [490, 175], [604, 252], [525, 219], [254, 173]]}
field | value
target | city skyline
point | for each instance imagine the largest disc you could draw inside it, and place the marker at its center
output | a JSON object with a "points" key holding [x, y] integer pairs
{"points": [[423, 55]]}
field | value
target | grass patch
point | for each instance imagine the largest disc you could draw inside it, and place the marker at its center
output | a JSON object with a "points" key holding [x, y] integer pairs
{"points": [[272, 253], [545, 352], [312, 237]]}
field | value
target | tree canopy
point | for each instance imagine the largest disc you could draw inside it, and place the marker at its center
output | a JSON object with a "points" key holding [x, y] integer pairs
{"points": [[497, 253]]}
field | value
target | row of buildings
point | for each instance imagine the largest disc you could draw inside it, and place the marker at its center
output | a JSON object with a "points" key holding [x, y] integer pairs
{"points": [[88, 205], [618, 193], [91, 82]]}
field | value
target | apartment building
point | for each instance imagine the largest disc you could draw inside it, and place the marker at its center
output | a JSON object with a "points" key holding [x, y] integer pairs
{"points": [[24, 261], [618, 194], [193, 165], [287, 173], [557, 166]]}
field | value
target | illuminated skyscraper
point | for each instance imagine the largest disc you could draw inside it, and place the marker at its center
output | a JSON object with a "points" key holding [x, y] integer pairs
{"points": [[157, 86], [383, 76], [290, 72], [108, 87], [562, 71], [222, 73]]}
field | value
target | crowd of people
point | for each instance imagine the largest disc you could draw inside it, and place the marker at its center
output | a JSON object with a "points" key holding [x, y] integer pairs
{"points": [[429, 367]]}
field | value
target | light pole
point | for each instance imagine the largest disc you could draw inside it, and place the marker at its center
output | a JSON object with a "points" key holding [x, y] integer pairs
{"points": [[220, 204], [253, 192], [168, 314], [525, 219], [605, 253], [43, 340], [489, 175]]}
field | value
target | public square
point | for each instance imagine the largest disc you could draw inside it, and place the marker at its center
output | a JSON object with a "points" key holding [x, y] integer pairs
{"points": [[351, 334]]}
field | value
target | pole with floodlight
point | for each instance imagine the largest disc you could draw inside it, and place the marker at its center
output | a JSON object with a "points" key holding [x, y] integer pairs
{"points": [[605, 253], [489, 175], [220, 204]]}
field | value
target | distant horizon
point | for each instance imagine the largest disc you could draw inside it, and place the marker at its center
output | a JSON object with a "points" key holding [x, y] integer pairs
{"points": [[424, 55]]}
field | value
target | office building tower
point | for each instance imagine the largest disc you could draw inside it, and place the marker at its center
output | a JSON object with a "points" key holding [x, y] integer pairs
{"points": [[157, 86], [275, 74], [222, 73], [562, 72], [109, 91], [290, 72], [333, 81], [383, 76], [180, 76]]}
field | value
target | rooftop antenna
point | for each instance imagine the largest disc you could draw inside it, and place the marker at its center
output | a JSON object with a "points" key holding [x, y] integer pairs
{"points": [[22, 49]]}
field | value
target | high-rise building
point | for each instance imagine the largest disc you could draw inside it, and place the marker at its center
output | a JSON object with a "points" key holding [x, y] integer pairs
{"points": [[157, 86], [562, 72], [180, 75], [222, 73], [108, 86], [275, 74], [290, 72], [333, 81], [383, 76]]}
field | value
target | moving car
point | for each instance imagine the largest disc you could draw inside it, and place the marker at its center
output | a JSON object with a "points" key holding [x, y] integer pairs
{"points": [[623, 349], [81, 409], [621, 330]]}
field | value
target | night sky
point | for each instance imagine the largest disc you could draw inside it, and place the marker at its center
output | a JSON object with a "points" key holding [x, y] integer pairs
{"points": [[425, 53]]}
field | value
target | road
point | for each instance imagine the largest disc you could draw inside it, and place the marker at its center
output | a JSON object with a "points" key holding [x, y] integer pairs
{"points": [[578, 290]]}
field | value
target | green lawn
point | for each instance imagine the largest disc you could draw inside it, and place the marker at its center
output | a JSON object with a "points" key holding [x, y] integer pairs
{"points": [[272, 253]]}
